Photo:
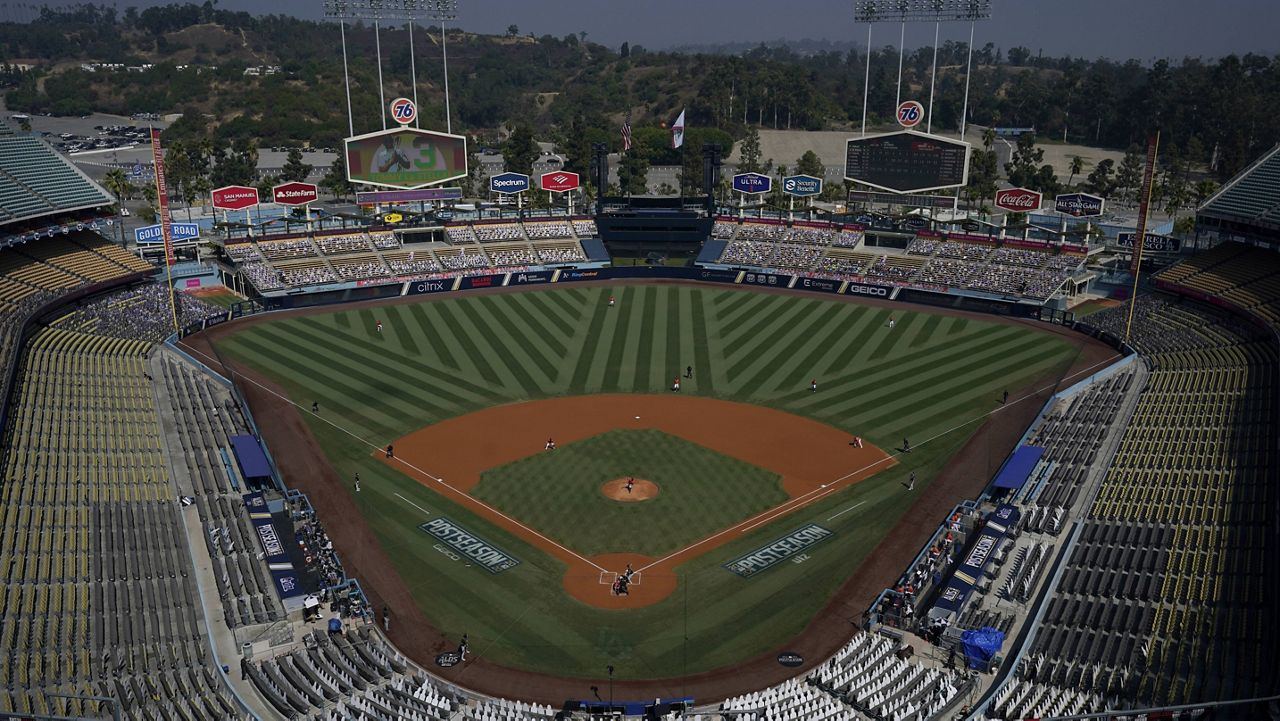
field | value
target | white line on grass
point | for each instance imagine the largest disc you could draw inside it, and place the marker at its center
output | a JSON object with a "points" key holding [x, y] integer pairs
{"points": [[401, 461], [850, 508], [411, 503], [806, 499]]}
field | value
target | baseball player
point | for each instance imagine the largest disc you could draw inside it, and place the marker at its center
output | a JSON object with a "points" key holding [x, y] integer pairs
{"points": [[813, 385], [357, 483], [911, 482], [675, 384], [610, 301], [551, 444], [631, 483], [378, 326]]}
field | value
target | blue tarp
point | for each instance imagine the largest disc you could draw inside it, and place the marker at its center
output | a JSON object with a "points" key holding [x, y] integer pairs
{"points": [[253, 462], [1019, 468], [980, 646]]}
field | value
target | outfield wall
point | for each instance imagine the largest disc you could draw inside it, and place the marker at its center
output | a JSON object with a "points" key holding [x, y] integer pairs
{"points": [[775, 280]]}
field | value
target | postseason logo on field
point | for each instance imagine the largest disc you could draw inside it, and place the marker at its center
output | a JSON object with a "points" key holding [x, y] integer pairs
{"points": [[488, 556], [780, 550]]}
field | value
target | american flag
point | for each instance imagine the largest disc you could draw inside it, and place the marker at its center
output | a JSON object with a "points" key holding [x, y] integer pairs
{"points": [[626, 133]]}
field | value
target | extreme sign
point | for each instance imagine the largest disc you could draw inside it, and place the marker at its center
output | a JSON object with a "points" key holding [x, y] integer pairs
{"points": [[295, 193], [780, 550], [234, 197], [802, 186], [488, 556], [752, 183]]}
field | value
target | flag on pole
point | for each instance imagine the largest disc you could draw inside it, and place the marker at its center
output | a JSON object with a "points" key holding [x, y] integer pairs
{"points": [[677, 131], [626, 133]]}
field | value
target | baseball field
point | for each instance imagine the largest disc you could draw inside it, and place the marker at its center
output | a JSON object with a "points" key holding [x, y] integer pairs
{"points": [[757, 503]]}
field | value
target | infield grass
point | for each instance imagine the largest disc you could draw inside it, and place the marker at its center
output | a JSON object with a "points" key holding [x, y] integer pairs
{"points": [[931, 378], [559, 494]]}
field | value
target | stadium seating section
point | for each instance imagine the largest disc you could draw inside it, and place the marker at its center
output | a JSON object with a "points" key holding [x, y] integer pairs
{"points": [[277, 264], [35, 180], [1026, 272]]}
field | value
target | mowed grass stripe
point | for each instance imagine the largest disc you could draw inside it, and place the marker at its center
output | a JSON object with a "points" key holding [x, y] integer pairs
{"points": [[433, 338], [674, 325], [964, 389], [908, 365], [543, 326], [348, 403], [732, 317], [757, 328], [498, 338], [927, 332], [763, 336], [370, 324], [530, 344], [588, 344], [567, 307], [407, 370], [449, 313], [886, 385], [771, 351], [649, 322], [395, 319], [564, 321], [890, 340], [617, 349], [826, 325], [935, 386], [704, 373], [878, 320], [391, 375], [785, 364]]}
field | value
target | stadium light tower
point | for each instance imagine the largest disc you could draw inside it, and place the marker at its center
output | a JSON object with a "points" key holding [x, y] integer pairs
{"points": [[409, 11], [905, 11]]}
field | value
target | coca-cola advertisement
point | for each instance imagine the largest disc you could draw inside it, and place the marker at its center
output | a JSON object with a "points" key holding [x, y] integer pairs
{"points": [[1018, 200]]}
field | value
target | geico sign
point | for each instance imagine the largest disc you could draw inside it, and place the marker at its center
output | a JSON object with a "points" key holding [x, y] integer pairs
{"points": [[867, 290]]}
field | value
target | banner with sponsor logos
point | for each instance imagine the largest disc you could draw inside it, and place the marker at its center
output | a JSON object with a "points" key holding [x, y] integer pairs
{"points": [[1151, 243], [276, 557], [969, 571]]}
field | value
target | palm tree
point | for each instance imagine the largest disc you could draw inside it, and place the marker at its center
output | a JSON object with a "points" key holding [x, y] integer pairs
{"points": [[1077, 165], [117, 183]]}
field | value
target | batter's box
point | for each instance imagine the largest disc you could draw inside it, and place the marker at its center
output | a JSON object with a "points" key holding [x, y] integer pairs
{"points": [[607, 578]]}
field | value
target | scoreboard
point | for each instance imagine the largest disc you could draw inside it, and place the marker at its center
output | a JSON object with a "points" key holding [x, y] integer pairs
{"points": [[907, 162]]}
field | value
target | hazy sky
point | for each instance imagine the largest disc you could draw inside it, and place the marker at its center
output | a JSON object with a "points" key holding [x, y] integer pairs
{"points": [[1143, 29]]}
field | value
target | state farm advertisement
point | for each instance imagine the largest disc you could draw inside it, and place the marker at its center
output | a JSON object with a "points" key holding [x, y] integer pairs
{"points": [[295, 193]]}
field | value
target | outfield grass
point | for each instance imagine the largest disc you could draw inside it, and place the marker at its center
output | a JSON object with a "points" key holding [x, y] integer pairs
{"points": [[929, 375], [700, 491], [224, 299]]}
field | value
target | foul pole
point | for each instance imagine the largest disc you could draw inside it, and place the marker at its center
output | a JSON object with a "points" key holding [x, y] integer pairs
{"points": [[1140, 233]]}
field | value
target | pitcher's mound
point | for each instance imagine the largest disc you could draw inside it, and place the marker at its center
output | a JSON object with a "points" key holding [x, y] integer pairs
{"points": [[641, 490]]}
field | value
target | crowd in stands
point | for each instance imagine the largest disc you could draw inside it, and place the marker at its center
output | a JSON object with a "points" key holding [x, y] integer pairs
{"points": [[306, 275], [511, 256], [317, 549], [460, 234], [360, 270], [882, 268], [547, 231], [962, 251], [463, 260], [384, 240], [723, 230], [946, 272], [848, 239], [1019, 256], [747, 252], [286, 249], [497, 233], [841, 265], [414, 263], [923, 246], [552, 255], [342, 244], [796, 256], [761, 231], [584, 228], [262, 275], [243, 252], [142, 313], [810, 236]]}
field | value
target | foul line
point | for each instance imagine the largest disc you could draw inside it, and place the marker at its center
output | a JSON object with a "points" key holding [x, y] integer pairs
{"points": [[401, 461], [850, 508], [827, 488], [411, 503], [789, 506]]}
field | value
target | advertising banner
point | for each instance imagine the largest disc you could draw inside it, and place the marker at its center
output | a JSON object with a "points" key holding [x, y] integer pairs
{"points": [[1080, 205], [802, 186], [1018, 200], [274, 554], [509, 183], [162, 195], [559, 181], [234, 197], [752, 183], [178, 233], [406, 158], [295, 193]]}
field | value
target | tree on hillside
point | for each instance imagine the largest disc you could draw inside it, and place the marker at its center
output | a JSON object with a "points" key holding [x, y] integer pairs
{"points": [[983, 175], [1101, 180], [633, 171], [520, 150], [1202, 190], [1129, 174], [513, 30], [234, 164], [810, 164], [117, 183], [335, 179], [750, 152], [1024, 164], [294, 169], [1077, 165]]}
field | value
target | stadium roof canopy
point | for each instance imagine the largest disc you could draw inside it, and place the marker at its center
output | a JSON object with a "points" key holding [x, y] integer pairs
{"points": [[1247, 207], [36, 181]]}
